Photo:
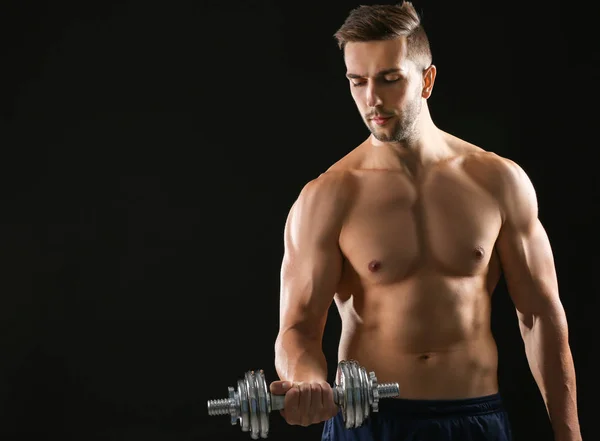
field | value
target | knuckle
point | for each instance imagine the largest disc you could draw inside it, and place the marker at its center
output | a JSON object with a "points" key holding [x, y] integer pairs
{"points": [[290, 400], [315, 392], [327, 390]]}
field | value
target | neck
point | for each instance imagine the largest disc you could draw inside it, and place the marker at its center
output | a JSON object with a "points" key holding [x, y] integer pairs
{"points": [[425, 146]]}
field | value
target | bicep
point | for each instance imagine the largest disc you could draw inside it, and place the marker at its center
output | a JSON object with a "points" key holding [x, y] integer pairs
{"points": [[524, 248], [309, 279], [528, 267], [311, 267]]}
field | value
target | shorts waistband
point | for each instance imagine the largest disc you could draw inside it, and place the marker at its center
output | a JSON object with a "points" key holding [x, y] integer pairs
{"points": [[442, 408]]}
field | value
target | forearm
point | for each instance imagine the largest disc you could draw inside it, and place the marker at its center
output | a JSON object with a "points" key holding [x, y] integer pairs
{"points": [[299, 357], [551, 363]]}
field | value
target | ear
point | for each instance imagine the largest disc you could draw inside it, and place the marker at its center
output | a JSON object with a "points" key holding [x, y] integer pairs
{"points": [[428, 80]]}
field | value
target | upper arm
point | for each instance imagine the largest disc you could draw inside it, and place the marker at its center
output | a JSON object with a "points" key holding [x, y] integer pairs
{"points": [[524, 248], [312, 261]]}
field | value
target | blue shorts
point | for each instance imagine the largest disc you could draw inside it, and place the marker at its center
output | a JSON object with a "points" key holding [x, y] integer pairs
{"points": [[472, 419]]}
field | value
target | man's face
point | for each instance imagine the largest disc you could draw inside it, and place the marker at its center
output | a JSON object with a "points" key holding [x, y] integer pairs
{"points": [[386, 87]]}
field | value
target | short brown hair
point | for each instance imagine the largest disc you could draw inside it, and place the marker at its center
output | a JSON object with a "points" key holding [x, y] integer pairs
{"points": [[387, 22]]}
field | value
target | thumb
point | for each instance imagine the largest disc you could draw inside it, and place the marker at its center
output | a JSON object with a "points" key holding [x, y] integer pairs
{"points": [[280, 387]]}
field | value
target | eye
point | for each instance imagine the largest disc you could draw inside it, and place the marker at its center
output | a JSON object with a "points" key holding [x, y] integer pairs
{"points": [[391, 79], [358, 84]]}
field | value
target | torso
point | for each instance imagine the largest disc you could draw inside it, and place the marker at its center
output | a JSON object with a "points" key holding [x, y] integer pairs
{"points": [[417, 280]]}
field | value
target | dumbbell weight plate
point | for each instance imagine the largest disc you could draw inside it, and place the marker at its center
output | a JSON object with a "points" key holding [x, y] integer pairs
{"points": [[347, 397], [258, 400], [360, 395], [264, 401], [355, 393], [365, 392], [244, 406]]}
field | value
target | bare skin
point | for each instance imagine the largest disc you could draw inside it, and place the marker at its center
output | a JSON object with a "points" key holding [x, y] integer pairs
{"points": [[419, 269], [408, 235]]}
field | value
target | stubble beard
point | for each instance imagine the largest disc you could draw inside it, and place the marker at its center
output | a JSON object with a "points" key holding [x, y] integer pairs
{"points": [[403, 128]]}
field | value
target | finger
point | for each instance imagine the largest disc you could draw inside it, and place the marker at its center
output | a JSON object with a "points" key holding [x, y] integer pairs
{"points": [[329, 406], [292, 398], [316, 403], [304, 404], [280, 387]]}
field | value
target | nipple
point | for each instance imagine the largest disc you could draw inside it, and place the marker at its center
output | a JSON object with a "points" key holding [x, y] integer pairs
{"points": [[479, 253], [374, 265]]}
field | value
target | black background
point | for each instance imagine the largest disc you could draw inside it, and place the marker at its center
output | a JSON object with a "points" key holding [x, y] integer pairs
{"points": [[152, 150]]}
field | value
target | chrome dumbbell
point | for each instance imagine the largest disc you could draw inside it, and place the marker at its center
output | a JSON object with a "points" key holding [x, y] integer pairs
{"points": [[355, 391]]}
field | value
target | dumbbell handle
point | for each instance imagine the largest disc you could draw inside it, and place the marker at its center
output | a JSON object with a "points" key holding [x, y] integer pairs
{"points": [[277, 401], [222, 407], [385, 390], [356, 393]]}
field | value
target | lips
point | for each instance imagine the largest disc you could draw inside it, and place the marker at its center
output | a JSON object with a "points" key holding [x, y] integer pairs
{"points": [[380, 120]]}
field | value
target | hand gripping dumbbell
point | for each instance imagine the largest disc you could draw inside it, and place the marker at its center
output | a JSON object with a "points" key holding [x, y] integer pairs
{"points": [[354, 391]]}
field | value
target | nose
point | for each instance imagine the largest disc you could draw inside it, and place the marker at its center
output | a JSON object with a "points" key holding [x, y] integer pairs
{"points": [[373, 98]]}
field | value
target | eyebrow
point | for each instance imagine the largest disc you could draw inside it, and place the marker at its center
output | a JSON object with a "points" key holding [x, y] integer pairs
{"points": [[378, 74]]}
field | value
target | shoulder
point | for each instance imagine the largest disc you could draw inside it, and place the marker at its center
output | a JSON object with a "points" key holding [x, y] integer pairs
{"points": [[484, 165], [497, 174], [331, 188], [501, 174], [506, 180], [336, 184], [320, 208]]}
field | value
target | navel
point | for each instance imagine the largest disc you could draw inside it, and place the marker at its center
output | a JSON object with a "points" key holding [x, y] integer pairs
{"points": [[374, 265]]}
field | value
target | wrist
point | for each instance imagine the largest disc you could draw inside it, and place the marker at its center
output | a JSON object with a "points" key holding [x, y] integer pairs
{"points": [[567, 435]]}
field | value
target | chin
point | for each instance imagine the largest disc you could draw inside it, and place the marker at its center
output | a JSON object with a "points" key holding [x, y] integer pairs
{"points": [[382, 134]]}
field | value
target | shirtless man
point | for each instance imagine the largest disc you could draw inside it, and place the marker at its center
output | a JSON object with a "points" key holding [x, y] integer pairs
{"points": [[409, 234]]}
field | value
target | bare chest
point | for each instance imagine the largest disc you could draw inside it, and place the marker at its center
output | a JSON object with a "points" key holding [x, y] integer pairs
{"points": [[446, 223]]}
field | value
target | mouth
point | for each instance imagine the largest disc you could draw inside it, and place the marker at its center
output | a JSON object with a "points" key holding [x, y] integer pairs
{"points": [[381, 120]]}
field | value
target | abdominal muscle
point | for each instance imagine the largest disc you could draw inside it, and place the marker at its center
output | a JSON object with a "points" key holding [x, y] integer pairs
{"points": [[429, 334]]}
